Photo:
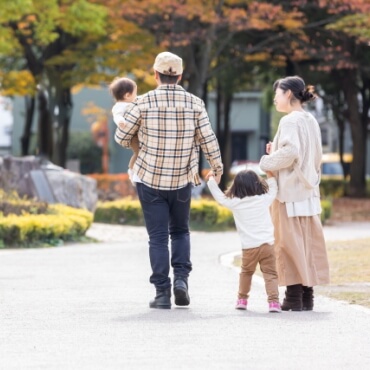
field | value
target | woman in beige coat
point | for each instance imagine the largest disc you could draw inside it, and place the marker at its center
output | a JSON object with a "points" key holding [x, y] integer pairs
{"points": [[295, 157]]}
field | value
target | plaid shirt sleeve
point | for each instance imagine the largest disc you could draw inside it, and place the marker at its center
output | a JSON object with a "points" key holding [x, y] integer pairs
{"points": [[208, 142]]}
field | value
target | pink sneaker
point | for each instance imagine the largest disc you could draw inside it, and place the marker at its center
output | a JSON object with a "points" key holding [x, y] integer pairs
{"points": [[241, 304], [274, 307]]}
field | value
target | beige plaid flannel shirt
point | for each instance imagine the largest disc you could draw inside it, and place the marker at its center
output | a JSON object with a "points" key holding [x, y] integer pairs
{"points": [[171, 125]]}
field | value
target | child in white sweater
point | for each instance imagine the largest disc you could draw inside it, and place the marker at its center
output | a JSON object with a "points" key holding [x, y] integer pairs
{"points": [[249, 198]]}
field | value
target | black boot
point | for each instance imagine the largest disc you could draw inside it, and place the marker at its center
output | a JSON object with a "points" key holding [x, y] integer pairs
{"points": [[162, 299], [307, 298], [293, 298], [180, 291]]}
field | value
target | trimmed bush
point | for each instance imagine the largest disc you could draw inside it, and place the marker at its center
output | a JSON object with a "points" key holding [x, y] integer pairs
{"points": [[333, 188], [26, 223], [11, 203], [208, 214], [326, 206], [205, 214], [126, 211]]}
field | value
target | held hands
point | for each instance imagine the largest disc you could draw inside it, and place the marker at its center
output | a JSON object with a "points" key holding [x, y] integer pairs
{"points": [[269, 174], [211, 174]]}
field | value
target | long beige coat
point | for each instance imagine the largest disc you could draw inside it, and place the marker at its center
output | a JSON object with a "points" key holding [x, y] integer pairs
{"points": [[299, 241]]}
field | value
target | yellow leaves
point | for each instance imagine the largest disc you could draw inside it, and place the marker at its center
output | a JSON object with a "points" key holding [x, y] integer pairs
{"points": [[258, 57], [289, 23], [145, 77], [17, 83]]}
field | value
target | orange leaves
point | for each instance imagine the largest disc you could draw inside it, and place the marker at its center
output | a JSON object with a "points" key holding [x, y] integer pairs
{"points": [[340, 6], [262, 16]]}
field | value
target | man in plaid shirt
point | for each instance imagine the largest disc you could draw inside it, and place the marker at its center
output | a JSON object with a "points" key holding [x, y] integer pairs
{"points": [[171, 125]]}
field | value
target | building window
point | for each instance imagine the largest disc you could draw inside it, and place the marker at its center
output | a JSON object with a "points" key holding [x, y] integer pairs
{"points": [[239, 146], [324, 136]]}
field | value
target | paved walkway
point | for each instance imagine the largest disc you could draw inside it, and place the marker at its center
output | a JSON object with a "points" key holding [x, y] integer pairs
{"points": [[86, 307]]}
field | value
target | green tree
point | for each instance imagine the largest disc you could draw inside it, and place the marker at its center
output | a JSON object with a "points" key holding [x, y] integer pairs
{"points": [[56, 45]]}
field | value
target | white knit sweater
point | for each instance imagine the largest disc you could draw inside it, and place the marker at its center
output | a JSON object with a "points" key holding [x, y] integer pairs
{"points": [[251, 214], [295, 157]]}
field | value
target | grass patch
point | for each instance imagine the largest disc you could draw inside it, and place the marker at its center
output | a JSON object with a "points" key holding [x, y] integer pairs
{"points": [[349, 271], [349, 261], [359, 298]]}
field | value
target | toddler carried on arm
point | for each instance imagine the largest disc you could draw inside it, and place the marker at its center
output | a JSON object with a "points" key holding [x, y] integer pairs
{"points": [[124, 91]]}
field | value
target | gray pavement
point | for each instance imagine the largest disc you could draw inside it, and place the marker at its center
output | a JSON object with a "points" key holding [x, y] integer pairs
{"points": [[86, 307]]}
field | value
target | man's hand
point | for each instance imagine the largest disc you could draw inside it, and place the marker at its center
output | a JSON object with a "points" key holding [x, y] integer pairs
{"points": [[216, 177]]}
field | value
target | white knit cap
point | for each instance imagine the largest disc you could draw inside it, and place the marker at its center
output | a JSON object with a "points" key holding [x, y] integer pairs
{"points": [[168, 64]]}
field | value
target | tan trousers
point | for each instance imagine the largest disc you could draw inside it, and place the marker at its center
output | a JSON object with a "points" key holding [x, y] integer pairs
{"points": [[265, 256]]}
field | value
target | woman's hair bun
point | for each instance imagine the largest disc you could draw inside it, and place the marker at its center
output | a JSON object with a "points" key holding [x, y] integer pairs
{"points": [[307, 94]]}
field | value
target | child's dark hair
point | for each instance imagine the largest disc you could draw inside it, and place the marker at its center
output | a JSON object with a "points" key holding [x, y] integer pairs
{"points": [[120, 87], [247, 183], [298, 88]]}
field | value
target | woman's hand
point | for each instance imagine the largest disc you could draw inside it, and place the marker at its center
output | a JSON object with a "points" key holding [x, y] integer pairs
{"points": [[268, 147]]}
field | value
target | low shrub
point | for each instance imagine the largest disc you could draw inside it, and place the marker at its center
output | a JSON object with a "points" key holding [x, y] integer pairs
{"points": [[333, 188], [26, 223], [11, 203], [208, 214], [205, 214], [126, 211], [326, 206]]}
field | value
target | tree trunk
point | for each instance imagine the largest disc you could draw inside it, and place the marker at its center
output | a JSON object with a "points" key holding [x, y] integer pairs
{"points": [[45, 130], [27, 130], [63, 119], [357, 185], [223, 106], [226, 151]]}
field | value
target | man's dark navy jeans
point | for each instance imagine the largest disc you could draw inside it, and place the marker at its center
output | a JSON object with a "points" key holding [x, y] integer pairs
{"points": [[166, 213]]}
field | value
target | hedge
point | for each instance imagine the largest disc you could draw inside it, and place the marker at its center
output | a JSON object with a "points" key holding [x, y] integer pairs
{"points": [[126, 211], [39, 223], [205, 214]]}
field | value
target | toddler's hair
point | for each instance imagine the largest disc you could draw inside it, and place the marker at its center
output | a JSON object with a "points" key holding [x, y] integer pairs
{"points": [[121, 86], [247, 183]]}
